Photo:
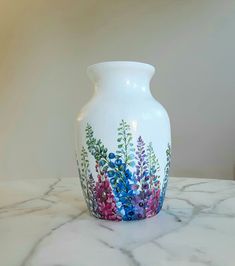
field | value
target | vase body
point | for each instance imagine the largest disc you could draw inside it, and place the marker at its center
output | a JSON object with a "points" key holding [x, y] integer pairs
{"points": [[123, 143]]}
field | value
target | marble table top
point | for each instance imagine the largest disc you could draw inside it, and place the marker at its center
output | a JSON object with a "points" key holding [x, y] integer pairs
{"points": [[45, 223]]}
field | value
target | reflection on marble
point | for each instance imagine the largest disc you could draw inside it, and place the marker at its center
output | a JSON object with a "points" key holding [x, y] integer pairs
{"points": [[45, 223]]}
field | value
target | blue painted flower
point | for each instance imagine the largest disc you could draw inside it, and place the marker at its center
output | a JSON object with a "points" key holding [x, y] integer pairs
{"points": [[111, 164], [118, 162], [101, 162], [128, 173], [111, 173], [122, 167], [120, 186], [111, 156], [118, 174], [129, 213]]}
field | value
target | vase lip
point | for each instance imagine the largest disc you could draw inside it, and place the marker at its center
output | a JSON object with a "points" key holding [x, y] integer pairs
{"points": [[131, 64]]}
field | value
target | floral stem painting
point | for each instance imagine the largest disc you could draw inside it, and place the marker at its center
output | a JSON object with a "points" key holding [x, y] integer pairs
{"points": [[127, 185]]}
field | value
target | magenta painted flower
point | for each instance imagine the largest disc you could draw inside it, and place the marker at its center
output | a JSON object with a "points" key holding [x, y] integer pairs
{"points": [[105, 200], [152, 203]]}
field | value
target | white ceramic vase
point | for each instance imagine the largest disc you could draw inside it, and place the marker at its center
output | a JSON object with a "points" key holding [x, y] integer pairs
{"points": [[123, 143]]}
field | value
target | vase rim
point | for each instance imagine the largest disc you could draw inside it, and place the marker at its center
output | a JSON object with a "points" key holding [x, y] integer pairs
{"points": [[134, 64]]}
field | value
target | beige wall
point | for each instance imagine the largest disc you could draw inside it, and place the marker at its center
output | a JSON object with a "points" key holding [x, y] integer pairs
{"points": [[46, 45]]}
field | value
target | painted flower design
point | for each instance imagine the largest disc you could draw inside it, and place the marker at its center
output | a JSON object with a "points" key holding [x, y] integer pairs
{"points": [[128, 179]]}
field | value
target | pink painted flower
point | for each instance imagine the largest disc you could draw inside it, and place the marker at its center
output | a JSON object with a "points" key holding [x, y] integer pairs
{"points": [[152, 203], [105, 200]]}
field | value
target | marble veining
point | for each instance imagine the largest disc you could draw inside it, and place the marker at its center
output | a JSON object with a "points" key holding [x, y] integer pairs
{"points": [[45, 223]]}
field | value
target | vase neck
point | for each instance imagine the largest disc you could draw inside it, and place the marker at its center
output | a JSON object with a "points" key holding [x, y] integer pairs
{"points": [[121, 78]]}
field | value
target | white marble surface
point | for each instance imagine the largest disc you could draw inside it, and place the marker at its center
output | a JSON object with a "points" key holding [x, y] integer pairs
{"points": [[45, 223]]}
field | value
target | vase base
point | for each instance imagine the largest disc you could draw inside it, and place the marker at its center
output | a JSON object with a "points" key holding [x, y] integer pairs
{"points": [[122, 219]]}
